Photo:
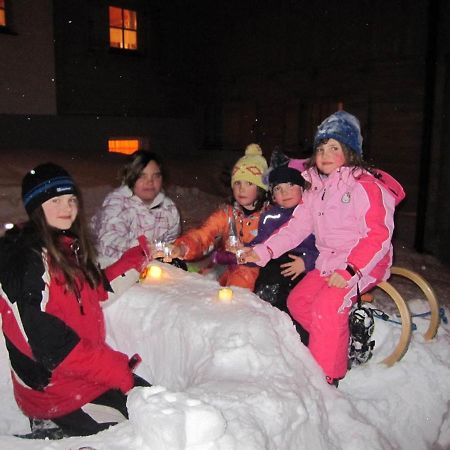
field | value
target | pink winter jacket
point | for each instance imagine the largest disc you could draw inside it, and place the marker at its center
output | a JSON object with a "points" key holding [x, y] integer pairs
{"points": [[124, 216], [351, 213]]}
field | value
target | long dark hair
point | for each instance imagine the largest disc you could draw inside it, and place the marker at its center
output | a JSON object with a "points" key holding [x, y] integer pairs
{"points": [[135, 164], [58, 259]]}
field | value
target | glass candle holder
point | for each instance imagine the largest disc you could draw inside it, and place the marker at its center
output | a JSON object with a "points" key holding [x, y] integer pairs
{"points": [[157, 247], [167, 251], [232, 244]]}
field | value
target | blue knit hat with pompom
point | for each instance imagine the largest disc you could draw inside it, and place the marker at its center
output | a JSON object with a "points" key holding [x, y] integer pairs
{"points": [[343, 127]]}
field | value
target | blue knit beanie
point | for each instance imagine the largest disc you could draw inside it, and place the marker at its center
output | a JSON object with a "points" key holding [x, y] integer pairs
{"points": [[43, 183], [343, 127]]}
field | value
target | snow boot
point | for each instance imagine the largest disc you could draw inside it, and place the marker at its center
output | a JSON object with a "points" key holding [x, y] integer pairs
{"points": [[361, 323], [269, 292], [43, 429]]}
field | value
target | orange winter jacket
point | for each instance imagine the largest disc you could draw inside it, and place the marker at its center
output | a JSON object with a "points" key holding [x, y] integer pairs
{"points": [[213, 234]]}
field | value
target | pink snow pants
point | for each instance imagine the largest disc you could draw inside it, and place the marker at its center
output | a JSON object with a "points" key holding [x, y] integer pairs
{"points": [[320, 310]]}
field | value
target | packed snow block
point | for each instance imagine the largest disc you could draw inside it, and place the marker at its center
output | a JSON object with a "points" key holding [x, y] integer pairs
{"points": [[178, 421], [238, 377], [240, 355]]}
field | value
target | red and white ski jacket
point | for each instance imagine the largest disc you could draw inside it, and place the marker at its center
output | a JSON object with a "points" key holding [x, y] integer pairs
{"points": [[351, 214], [56, 339]]}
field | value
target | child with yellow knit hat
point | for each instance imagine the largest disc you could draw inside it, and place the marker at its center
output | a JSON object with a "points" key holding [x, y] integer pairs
{"points": [[235, 223]]}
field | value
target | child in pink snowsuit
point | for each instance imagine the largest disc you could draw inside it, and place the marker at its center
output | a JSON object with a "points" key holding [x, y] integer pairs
{"points": [[350, 210]]}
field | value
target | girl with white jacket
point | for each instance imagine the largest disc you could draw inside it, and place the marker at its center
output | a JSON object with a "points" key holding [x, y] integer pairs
{"points": [[138, 207]]}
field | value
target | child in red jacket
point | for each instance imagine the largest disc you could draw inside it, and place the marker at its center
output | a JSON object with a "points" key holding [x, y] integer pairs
{"points": [[51, 289]]}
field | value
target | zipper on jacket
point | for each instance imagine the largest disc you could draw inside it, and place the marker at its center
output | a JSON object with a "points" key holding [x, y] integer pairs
{"points": [[80, 304], [78, 297], [75, 247], [323, 194]]}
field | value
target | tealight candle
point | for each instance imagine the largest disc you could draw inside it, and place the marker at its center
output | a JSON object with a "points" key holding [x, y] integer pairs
{"points": [[154, 272], [225, 294]]}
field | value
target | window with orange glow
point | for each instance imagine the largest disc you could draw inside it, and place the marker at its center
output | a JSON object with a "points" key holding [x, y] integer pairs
{"points": [[125, 146], [2, 14], [122, 28]]}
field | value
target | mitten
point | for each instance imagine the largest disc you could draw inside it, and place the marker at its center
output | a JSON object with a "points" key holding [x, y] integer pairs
{"points": [[223, 257], [134, 258]]}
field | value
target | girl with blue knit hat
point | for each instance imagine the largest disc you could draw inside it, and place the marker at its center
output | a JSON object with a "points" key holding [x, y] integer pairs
{"points": [[350, 210]]}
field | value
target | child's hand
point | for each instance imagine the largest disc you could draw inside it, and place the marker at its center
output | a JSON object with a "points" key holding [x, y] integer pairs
{"points": [[337, 280], [247, 255], [294, 268], [178, 251]]}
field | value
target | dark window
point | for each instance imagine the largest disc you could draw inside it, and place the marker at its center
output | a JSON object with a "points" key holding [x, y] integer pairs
{"points": [[122, 28]]}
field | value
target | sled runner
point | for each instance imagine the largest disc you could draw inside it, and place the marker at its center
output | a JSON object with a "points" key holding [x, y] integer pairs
{"points": [[402, 311]]}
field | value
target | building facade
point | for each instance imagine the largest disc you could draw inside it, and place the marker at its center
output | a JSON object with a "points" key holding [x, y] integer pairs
{"points": [[200, 76]]}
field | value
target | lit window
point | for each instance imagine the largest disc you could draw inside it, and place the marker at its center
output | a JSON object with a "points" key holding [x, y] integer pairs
{"points": [[2, 14], [126, 146], [122, 28]]}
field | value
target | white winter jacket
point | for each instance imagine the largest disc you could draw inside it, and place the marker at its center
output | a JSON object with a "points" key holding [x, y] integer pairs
{"points": [[124, 216]]}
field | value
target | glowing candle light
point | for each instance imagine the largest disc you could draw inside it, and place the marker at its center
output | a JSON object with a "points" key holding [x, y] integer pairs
{"points": [[151, 273], [225, 295], [154, 272]]}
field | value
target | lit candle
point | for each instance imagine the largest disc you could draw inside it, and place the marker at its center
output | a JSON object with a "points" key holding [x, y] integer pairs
{"points": [[154, 272], [151, 273], [225, 295]]}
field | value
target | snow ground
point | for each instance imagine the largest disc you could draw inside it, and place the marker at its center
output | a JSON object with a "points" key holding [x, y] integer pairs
{"points": [[235, 376]]}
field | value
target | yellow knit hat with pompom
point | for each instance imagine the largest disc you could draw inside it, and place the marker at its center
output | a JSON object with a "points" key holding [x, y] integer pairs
{"points": [[250, 167]]}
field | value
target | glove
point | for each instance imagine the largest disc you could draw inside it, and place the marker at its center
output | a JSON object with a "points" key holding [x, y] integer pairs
{"points": [[134, 258], [223, 258]]}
